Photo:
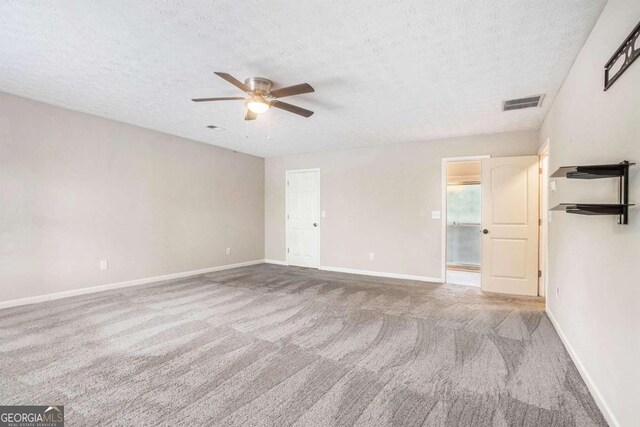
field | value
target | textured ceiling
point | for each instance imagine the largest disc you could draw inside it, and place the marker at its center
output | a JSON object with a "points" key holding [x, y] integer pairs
{"points": [[384, 71]]}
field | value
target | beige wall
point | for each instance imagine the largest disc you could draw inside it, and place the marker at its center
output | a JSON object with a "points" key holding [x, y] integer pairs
{"points": [[75, 189], [380, 200], [593, 262]]}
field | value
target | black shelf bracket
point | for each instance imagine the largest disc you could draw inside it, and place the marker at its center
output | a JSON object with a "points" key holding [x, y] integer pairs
{"points": [[623, 193], [618, 170]]}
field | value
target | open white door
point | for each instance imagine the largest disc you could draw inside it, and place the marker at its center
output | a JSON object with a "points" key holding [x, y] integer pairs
{"points": [[303, 218], [510, 225]]}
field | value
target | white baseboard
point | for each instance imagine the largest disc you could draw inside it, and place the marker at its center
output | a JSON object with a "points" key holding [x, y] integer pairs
{"points": [[381, 274], [275, 261], [100, 288], [597, 396]]}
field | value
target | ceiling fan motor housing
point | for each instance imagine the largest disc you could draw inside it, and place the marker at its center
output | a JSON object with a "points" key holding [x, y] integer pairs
{"points": [[259, 84]]}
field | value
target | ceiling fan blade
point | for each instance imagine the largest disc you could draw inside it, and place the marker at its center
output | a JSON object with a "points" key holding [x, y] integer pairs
{"points": [[250, 115], [237, 83], [228, 98], [292, 90], [292, 108]]}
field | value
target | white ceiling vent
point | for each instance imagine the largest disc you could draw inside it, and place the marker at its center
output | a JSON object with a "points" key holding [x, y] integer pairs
{"points": [[520, 103]]}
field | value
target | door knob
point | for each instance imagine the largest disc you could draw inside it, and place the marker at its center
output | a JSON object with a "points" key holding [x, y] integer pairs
{"points": [[315, 224], [485, 231]]}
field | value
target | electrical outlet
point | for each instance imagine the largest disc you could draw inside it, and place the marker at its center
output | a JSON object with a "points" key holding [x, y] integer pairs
{"points": [[104, 264], [371, 256], [324, 214], [435, 214], [228, 251]]}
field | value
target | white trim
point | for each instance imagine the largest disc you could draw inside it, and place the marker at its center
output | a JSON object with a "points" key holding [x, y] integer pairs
{"points": [[275, 261], [543, 235], [597, 396], [466, 278], [286, 211], [443, 205], [303, 170], [544, 149], [101, 288], [381, 274]]}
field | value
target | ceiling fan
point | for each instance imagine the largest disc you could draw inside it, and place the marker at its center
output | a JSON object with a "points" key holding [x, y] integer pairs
{"points": [[261, 97]]}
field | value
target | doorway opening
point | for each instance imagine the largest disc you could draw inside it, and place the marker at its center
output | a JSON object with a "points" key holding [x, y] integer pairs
{"points": [[463, 221]]}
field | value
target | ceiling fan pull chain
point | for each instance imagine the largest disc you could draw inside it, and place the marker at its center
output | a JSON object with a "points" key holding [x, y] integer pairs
{"points": [[269, 126]]}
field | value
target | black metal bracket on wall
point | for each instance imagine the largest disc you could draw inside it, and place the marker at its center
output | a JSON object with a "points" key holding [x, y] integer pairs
{"points": [[623, 193], [630, 52], [588, 172]]}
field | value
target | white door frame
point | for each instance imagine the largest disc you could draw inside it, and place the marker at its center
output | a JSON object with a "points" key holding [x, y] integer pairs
{"points": [[543, 238], [443, 204], [286, 210]]}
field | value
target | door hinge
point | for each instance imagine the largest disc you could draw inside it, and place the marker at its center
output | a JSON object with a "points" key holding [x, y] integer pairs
{"points": [[539, 273], [287, 250], [287, 183], [539, 221], [539, 171]]}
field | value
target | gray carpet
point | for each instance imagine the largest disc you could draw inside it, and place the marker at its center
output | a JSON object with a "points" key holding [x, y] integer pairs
{"points": [[270, 345]]}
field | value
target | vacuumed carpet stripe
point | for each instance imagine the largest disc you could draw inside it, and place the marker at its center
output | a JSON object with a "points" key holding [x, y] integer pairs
{"points": [[271, 345]]}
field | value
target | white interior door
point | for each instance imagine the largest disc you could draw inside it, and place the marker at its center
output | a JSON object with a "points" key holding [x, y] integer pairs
{"points": [[510, 225], [303, 218]]}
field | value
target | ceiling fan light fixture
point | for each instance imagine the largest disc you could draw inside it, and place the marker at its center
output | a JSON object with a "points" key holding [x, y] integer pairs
{"points": [[257, 105]]}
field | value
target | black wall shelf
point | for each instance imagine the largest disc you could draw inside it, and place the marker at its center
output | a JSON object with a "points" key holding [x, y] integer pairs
{"points": [[592, 171], [591, 208], [618, 170]]}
